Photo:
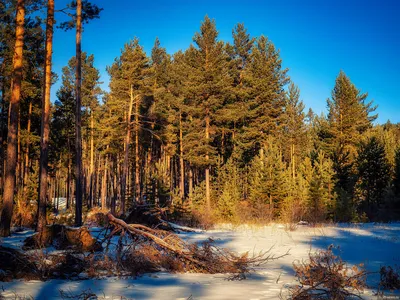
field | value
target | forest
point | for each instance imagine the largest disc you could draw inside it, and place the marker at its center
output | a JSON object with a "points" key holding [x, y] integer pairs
{"points": [[213, 133]]}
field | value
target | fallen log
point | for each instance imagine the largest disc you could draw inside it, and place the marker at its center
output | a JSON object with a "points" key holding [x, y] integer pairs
{"points": [[205, 258], [137, 229]]}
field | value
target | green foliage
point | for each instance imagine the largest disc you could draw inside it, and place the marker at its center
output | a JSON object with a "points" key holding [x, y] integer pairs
{"points": [[373, 175], [267, 178], [228, 190]]}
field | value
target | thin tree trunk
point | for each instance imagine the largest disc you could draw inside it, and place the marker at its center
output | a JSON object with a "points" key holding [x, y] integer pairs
{"points": [[18, 171], [208, 201], [78, 121], [114, 198], [28, 142], [137, 170], [69, 181], [104, 185], [11, 162], [181, 162], [45, 124], [126, 156], [190, 183], [90, 200]]}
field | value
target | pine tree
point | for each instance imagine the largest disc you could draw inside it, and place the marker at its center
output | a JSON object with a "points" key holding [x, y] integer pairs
{"points": [[348, 118], [129, 85], [264, 80], [349, 115], [267, 180], [373, 176], [207, 83], [294, 128]]}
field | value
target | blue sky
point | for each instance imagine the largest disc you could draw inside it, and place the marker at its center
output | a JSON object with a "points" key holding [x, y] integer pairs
{"points": [[317, 39]]}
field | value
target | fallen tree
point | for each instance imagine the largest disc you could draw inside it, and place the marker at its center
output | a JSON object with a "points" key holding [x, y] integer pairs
{"points": [[160, 249], [131, 249]]}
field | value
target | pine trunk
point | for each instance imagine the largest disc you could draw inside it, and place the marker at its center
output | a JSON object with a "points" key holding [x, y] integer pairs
{"points": [[45, 124], [181, 162], [78, 121], [126, 156], [208, 201], [137, 170], [104, 185], [91, 170], [11, 161], [28, 142]]}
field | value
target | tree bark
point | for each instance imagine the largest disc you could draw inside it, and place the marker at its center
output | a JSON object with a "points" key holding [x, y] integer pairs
{"points": [[181, 162], [45, 124], [208, 201], [11, 163], [78, 121], [28, 142], [104, 185], [137, 170], [91, 170], [126, 155]]}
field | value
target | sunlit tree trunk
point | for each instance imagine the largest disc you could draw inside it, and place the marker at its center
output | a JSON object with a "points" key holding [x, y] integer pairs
{"points": [[104, 185], [181, 162], [126, 155], [78, 119], [91, 170], [11, 162], [137, 170], [208, 201], [45, 125]]}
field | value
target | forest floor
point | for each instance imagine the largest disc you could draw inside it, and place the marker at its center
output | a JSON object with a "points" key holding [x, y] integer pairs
{"points": [[375, 245]]}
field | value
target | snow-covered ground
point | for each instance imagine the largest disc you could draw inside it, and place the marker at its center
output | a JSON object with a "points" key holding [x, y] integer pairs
{"points": [[374, 245]]}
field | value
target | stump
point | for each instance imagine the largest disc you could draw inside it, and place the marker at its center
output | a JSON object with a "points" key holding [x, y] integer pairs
{"points": [[63, 237]]}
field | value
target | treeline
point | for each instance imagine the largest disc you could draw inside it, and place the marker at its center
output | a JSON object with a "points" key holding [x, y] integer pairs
{"points": [[217, 130]]}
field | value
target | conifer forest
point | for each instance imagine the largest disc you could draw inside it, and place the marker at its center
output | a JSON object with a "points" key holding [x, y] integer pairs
{"points": [[217, 131], [202, 163]]}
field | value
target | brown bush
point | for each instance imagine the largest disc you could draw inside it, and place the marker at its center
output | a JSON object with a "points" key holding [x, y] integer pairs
{"points": [[326, 276]]}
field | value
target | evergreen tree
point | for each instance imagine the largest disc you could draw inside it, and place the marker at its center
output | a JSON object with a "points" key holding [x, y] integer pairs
{"points": [[373, 176], [294, 128], [264, 80], [208, 81]]}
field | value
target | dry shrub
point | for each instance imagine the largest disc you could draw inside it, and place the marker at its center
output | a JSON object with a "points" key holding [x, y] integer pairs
{"points": [[390, 278], [100, 265], [326, 276], [96, 217], [254, 213], [202, 219], [24, 212]]}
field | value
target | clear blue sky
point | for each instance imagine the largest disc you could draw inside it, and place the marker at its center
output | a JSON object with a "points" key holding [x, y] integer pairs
{"points": [[317, 38]]}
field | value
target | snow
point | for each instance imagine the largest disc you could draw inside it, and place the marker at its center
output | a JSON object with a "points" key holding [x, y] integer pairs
{"points": [[374, 245]]}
